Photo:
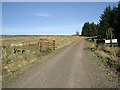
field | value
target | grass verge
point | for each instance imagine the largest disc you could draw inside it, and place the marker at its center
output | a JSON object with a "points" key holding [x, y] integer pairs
{"points": [[31, 63], [105, 60]]}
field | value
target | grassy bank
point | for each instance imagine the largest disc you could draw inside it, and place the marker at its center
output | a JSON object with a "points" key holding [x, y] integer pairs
{"points": [[106, 56], [15, 64]]}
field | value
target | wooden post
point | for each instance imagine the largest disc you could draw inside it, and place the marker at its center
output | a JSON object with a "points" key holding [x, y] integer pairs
{"points": [[94, 44], [40, 46], [48, 45], [53, 44]]}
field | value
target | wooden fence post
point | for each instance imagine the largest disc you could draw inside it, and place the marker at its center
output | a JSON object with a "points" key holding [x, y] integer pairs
{"points": [[40, 46], [48, 45], [94, 44], [53, 44]]}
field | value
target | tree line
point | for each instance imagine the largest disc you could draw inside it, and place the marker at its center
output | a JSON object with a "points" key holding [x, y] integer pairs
{"points": [[108, 26]]}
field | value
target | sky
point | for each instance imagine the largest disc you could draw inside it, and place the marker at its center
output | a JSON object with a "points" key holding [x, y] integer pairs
{"points": [[49, 18]]}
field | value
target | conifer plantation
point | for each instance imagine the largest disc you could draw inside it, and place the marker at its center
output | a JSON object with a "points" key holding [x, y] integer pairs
{"points": [[108, 26]]}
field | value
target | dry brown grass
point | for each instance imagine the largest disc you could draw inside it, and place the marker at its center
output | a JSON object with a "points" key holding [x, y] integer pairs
{"points": [[16, 64], [108, 55]]}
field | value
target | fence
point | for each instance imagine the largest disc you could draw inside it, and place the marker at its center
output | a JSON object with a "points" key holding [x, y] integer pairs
{"points": [[42, 45], [45, 44]]}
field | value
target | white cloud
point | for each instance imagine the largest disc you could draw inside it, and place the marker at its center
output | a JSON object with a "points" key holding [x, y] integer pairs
{"points": [[42, 15]]}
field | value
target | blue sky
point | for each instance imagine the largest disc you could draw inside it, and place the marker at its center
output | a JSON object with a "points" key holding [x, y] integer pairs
{"points": [[49, 18]]}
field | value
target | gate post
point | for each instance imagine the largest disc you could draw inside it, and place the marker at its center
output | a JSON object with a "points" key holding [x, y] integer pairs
{"points": [[40, 46], [94, 44], [53, 44]]}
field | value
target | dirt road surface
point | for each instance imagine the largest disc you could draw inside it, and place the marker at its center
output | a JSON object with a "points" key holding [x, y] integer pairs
{"points": [[71, 68]]}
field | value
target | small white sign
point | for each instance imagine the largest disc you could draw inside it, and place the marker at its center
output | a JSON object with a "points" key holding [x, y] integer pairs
{"points": [[114, 40], [107, 41]]}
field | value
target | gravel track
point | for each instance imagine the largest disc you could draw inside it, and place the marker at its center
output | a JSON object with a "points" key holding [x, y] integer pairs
{"points": [[71, 68]]}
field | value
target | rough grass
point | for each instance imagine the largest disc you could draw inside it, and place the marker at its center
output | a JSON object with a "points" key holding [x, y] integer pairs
{"points": [[105, 60], [109, 56], [14, 65]]}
